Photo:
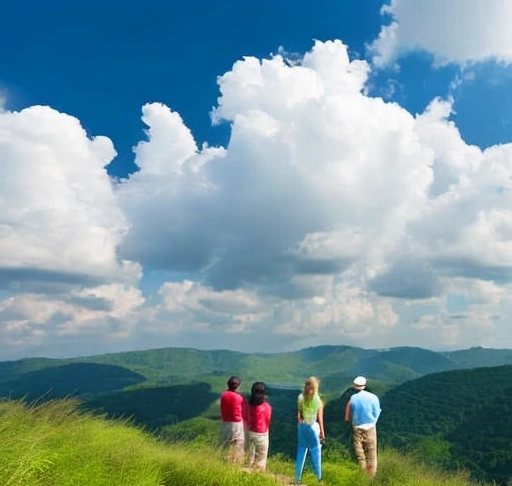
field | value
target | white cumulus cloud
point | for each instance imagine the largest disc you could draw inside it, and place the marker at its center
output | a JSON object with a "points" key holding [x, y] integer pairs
{"points": [[453, 31], [60, 226], [343, 217]]}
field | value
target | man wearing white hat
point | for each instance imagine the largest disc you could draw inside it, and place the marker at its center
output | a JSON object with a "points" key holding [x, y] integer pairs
{"points": [[363, 410]]}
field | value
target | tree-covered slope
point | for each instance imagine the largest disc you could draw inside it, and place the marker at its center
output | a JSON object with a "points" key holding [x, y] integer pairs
{"points": [[67, 380], [155, 407], [468, 410], [11, 370], [483, 442]]}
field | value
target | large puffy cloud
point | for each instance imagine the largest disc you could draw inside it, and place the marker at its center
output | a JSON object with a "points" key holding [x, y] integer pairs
{"points": [[311, 158], [343, 217], [58, 213], [452, 31]]}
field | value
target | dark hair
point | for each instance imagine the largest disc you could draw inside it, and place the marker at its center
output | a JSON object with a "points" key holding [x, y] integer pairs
{"points": [[258, 391], [234, 383]]}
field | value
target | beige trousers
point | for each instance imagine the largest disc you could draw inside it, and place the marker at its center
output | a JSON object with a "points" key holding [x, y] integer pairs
{"points": [[257, 450], [232, 441], [365, 448]]}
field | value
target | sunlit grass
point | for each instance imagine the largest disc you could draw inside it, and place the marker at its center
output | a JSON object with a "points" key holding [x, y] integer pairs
{"points": [[53, 444]]}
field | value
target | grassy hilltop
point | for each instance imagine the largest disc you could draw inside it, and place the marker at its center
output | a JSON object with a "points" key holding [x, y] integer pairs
{"points": [[53, 444]]}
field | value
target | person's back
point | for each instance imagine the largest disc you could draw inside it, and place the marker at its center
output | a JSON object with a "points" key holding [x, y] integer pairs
{"points": [[258, 416], [232, 434], [363, 411], [231, 406], [310, 428], [365, 408], [309, 407]]}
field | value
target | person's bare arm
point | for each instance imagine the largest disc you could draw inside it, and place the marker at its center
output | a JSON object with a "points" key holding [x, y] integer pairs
{"points": [[348, 416], [320, 418], [300, 419]]}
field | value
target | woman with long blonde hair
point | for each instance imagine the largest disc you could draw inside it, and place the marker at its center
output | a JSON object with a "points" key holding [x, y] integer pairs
{"points": [[310, 428]]}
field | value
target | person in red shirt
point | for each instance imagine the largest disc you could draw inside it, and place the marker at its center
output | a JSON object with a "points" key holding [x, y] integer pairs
{"points": [[232, 427], [258, 415]]}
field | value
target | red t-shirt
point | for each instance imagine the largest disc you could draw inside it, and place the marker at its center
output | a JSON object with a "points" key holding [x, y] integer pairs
{"points": [[231, 406], [258, 417]]}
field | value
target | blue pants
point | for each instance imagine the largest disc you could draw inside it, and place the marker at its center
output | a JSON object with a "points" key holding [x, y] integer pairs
{"points": [[308, 439]]}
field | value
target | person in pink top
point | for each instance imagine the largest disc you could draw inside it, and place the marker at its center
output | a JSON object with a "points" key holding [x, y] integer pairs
{"points": [[258, 415], [232, 427]]}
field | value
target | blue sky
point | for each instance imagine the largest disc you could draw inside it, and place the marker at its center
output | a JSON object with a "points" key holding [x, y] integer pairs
{"points": [[258, 176]]}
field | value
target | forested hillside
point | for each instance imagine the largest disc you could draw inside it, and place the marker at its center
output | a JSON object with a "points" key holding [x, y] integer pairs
{"points": [[64, 380], [461, 418]]}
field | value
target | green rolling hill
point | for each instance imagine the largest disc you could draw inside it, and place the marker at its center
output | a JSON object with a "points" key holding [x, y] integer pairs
{"points": [[451, 409]]}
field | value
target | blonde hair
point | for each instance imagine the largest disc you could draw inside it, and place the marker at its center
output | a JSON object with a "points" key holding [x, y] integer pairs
{"points": [[311, 386]]}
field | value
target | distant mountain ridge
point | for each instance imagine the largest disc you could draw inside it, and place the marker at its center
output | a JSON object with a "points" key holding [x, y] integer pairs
{"points": [[476, 357], [336, 365]]}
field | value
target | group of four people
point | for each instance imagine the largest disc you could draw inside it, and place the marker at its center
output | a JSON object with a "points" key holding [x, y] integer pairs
{"points": [[246, 423]]}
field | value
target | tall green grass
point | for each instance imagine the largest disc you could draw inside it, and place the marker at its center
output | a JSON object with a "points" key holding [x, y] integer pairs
{"points": [[53, 444]]}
